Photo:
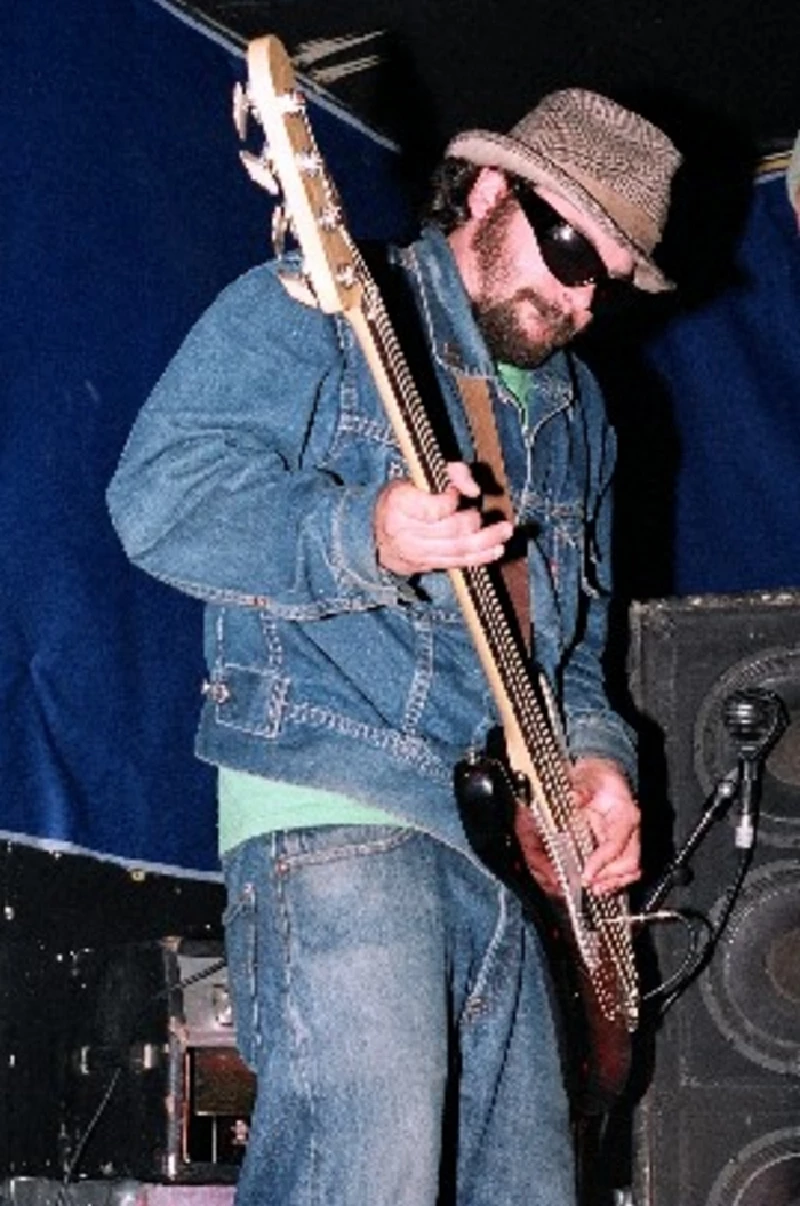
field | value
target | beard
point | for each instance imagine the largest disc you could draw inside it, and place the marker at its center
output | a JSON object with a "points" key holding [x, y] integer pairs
{"points": [[507, 339], [499, 318]]}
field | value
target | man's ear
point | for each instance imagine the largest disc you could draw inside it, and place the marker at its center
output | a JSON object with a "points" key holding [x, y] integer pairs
{"points": [[490, 185]]}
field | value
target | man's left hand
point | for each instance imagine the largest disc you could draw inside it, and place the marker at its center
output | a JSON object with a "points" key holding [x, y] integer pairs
{"points": [[606, 801]]}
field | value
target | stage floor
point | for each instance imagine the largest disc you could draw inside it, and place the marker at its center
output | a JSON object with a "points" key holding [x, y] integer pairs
{"points": [[39, 1191]]}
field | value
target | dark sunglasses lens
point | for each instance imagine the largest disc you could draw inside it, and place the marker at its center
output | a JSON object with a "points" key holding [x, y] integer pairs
{"points": [[571, 258]]}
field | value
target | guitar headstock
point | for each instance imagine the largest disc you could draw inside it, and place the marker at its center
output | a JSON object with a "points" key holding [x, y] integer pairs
{"points": [[290, 163]]}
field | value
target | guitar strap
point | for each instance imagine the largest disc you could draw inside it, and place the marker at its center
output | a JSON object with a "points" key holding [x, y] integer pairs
{"points": [[514, 567]]}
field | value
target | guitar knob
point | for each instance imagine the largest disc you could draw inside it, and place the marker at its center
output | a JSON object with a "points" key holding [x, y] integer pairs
{"points": [[475, 782]]}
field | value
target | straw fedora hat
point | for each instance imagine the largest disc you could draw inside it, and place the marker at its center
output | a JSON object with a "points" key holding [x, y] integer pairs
{"points": [[611, 163]]}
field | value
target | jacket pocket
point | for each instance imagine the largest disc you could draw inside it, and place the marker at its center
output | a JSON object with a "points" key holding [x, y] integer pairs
{"points": [[251, 701]]}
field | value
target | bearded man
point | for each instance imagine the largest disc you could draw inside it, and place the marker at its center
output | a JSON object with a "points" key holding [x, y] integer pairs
{"points": [[389, 989]]}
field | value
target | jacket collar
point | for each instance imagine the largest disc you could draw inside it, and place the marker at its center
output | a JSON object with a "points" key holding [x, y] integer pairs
{"points": [[453, 335], [455, 339]]}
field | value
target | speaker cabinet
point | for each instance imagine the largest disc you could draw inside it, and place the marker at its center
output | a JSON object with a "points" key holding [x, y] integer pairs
{"points": [[151, 1036], [718, 1120]]}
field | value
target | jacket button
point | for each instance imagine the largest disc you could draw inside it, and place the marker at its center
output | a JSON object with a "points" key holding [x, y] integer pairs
{"points": [[217, 692]]}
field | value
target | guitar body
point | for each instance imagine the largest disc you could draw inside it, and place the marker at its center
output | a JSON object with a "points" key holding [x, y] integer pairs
{"points": [[597, 1048], [590, 936]]}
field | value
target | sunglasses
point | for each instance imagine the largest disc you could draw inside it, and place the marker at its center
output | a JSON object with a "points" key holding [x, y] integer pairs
{"points": [[568, 255]]}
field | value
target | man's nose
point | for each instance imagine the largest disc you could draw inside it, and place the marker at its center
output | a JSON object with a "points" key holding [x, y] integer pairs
{"points": [[581, 298]]}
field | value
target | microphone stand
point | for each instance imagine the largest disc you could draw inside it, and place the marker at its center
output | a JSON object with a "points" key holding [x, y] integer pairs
{"points": [[755, 718], [676, 871]]}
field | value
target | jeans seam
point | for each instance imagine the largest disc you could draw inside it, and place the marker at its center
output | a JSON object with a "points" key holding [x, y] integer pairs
{"points": [[293, 1029], [240, 917], [478, 1002], [423, 673]]}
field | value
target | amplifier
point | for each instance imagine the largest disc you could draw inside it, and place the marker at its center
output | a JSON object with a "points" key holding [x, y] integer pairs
{"points": [[154, 1088]]}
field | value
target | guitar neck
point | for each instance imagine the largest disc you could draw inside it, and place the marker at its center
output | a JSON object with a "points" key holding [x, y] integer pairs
{"points": [[533, 747]]}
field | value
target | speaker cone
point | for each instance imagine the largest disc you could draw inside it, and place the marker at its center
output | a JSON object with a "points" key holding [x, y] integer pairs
{"points": [[752, 985], [765, 1173]]}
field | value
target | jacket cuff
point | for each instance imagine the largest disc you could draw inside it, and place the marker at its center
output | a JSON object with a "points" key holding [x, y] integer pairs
{"points": [[355, 561], [604, 737]]}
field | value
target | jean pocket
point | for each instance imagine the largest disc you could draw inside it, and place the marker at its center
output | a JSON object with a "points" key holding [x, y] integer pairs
{"points": [[240, 923], [333, 843]]}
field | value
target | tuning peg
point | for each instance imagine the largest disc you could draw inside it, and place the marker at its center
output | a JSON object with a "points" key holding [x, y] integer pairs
{"points": [[280, 228], [258, 169], [241, 110]]}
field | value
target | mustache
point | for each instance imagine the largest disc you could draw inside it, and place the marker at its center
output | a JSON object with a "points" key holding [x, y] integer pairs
{"points": [[563, 324]]}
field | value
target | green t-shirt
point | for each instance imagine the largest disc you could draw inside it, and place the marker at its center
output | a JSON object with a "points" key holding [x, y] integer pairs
{"points": [[515, 379], [250, 806]]}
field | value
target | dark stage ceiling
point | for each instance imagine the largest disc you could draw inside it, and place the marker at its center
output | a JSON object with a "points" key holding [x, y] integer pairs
{"points": [[422, 69]]}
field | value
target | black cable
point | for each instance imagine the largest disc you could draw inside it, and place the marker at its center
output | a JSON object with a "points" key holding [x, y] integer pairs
{"points": [[694, 924], [716, 931], [70, 1170], [699, 953]]}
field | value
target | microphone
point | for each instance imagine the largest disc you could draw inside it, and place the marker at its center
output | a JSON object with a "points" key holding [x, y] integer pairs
{"points": [[754, 718]]}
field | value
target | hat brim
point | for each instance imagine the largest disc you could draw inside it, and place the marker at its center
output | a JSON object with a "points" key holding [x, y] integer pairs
{"points": [[485, 148]]}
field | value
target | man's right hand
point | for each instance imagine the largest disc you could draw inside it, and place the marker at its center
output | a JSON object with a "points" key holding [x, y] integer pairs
{"points": [[416, 532]]}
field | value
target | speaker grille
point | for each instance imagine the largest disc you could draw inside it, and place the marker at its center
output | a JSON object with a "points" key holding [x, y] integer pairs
{"points": [[752, 990], [765, 1173], [717, 1122], [776, 670]]}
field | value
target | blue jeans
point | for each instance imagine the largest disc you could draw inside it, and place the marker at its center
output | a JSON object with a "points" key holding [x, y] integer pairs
{"points": [[393, 1003]]}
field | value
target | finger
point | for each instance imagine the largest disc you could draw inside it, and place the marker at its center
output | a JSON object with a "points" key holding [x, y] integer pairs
{"points": [[609, 864], [461, 477], [613, 875], [611, 817], [609, 886], [467, 559], [619, 874], [407, 501], [459, 538]]}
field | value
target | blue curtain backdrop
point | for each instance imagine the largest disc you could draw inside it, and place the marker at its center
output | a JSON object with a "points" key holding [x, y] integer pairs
{"points": [[731, 371], [125, 210]]}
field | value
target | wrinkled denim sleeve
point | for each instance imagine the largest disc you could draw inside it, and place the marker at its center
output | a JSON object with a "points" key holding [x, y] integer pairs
{"points": [[593, 727], [221, 490]]}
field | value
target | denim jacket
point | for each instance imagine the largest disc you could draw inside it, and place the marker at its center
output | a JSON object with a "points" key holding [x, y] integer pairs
{"points": [[250, 480]]}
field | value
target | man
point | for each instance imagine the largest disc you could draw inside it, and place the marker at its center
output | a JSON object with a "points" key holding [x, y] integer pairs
{"points": [[388, 990]]}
